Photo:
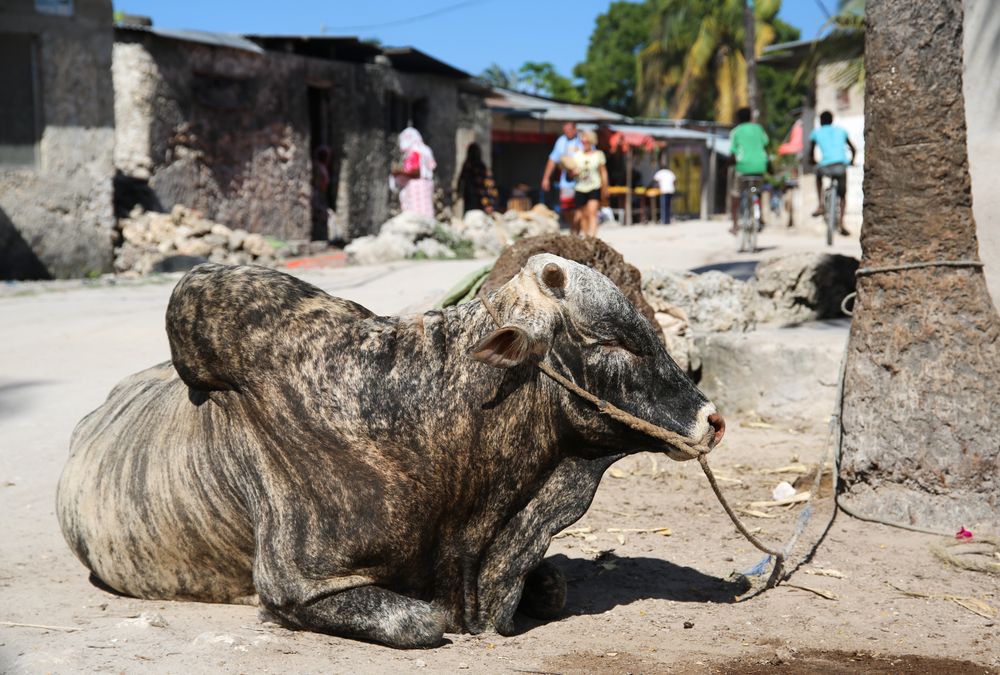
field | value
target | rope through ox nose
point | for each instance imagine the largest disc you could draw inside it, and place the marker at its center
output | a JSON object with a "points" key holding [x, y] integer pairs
{"points": [[693, 450]]}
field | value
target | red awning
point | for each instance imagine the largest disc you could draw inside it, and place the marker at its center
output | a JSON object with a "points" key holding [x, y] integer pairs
{"points": [[621, 141], [793, 144]]}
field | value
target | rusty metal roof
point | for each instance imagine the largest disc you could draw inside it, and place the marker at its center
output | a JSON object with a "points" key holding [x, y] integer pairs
{"points": [[518, 104]]}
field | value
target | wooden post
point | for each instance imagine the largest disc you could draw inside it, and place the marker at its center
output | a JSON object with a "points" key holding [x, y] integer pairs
{"points": [[628, 185]]}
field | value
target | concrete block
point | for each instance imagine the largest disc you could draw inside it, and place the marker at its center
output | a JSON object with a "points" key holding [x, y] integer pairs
{"points": [[781, 373]]}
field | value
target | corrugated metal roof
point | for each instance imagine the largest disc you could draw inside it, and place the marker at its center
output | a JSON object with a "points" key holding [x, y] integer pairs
{"points": [[516, 103], [204, 37], [664, 132], [720, 143]]}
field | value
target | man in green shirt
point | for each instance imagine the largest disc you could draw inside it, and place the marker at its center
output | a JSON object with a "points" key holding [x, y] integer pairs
{"points": [[748, 142]]}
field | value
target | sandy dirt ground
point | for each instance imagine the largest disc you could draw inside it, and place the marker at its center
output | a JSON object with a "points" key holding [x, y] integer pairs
{"points": [[648, 567]]}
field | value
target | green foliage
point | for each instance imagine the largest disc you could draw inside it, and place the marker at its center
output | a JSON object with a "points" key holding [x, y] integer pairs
{"points": [[498, 77], [677, 58], [674, 24], [535, 77], [845, 42], [463, 248], [695, 58], [542, 79], [849, 24], [608, 76]]}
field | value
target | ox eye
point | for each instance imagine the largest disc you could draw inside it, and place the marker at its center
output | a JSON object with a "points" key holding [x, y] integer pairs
{"points": [[611, 343]]}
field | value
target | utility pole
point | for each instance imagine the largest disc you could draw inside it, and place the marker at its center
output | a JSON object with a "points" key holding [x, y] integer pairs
{"points": [[750, 56]]}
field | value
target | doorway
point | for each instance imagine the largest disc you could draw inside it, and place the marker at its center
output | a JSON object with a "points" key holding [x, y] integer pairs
{"points": [[323, 193]]}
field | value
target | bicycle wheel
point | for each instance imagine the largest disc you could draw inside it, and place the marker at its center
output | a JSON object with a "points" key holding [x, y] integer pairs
{"points": [[832, 209], [744, 219], [753, 224]]}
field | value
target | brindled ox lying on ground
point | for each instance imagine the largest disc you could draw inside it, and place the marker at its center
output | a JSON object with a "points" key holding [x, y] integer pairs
{"points": [[385, 478]]}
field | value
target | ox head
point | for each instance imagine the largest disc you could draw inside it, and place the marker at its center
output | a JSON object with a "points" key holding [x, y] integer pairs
{"points": [[577, 319]]}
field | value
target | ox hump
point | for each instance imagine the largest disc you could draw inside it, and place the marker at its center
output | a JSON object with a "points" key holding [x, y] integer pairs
{"points": [[225, 322]]}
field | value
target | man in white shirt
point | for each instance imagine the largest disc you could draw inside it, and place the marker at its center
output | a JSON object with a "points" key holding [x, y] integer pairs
{"points": [[567, 144], [665, 180]]}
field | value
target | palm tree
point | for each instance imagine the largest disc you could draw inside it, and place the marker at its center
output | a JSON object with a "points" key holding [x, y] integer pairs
{"points": [[659, 64], [920, 394], [845, 43], [849, 25], [495, 75], [678, 74]]}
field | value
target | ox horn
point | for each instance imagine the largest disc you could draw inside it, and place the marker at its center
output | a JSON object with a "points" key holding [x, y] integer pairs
{"points": [[553, 276]]}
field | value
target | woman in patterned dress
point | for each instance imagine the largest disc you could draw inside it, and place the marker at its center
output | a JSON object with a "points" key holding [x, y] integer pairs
{"points": [[416, 178]]}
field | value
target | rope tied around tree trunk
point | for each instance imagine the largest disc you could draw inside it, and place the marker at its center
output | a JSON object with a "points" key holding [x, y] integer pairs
{"points": [[902, 267], [941, 552], [693, 450]]}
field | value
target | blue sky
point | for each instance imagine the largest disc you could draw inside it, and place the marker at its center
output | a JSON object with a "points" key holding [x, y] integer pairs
{"points": [[469, 35]]}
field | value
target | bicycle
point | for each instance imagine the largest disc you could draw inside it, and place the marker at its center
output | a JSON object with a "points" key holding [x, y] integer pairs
{"points": [[749, 213], [831, 200]]}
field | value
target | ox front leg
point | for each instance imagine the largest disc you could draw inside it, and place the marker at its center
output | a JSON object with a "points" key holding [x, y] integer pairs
{"points": [[513, 565], [349, 606], [368, 613]]}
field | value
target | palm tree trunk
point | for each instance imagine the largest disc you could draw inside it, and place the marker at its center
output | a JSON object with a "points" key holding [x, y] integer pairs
{"points": [[750, 56], [921, 389]]}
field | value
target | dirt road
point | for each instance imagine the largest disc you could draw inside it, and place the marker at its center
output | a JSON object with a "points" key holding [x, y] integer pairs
{"points": [[647, 566]]}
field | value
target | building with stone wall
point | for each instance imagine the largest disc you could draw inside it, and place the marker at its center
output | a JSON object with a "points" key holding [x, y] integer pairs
{"points": [[97, 118], [56, 138], [230, 125]]}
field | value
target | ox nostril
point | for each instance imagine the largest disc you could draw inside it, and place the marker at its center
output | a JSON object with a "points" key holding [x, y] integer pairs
{"points": [[719, 424]]}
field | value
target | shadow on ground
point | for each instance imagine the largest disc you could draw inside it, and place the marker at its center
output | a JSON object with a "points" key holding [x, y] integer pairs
{"points": [[13, 398], [595, 586], [740, 269]]}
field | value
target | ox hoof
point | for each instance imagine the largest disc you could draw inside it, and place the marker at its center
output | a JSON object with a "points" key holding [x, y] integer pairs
{"points": [[544, 594]]}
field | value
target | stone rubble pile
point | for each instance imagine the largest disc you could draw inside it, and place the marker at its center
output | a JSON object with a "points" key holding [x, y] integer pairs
{"points": [[153, 242], [785, 290], [802, 287], [476, 235]]}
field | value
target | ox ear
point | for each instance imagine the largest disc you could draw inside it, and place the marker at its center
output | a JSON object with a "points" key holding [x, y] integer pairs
{"points": [[504, 348]]}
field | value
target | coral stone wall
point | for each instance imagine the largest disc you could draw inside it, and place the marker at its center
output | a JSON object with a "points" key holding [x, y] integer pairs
{"points": [[230, 132], [215, 129], [55, 213]]}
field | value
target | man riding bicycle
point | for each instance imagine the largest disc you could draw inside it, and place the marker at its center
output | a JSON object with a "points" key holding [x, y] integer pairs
{"points": [[748, 142], [832, 140]]}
